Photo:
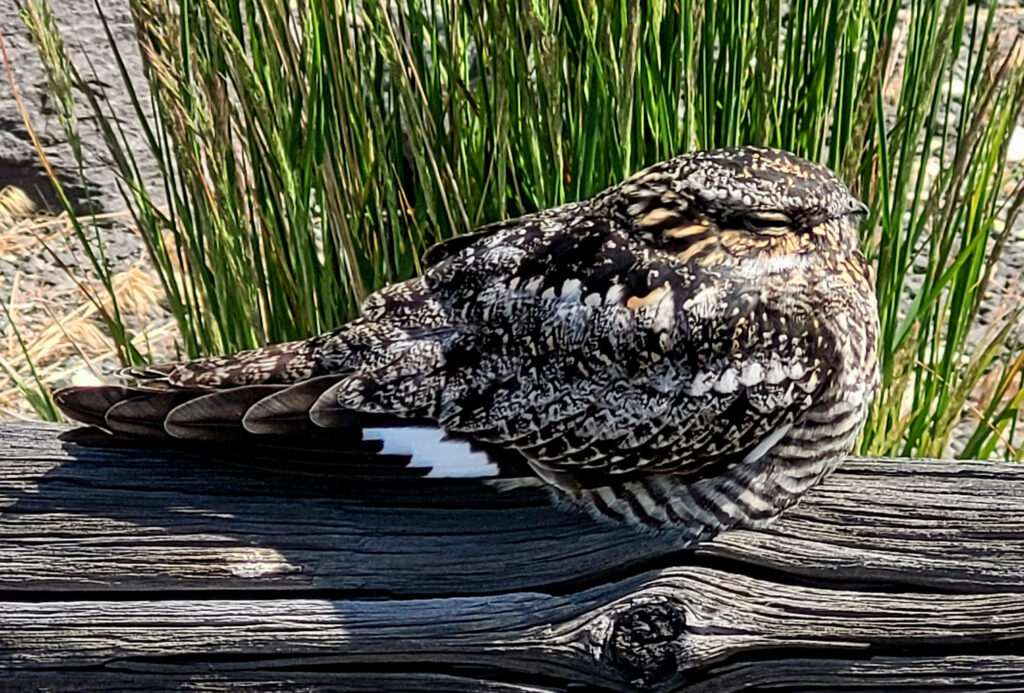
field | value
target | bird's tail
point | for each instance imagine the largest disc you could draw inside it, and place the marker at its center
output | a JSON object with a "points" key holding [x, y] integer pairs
{"points": [[297, 426]]}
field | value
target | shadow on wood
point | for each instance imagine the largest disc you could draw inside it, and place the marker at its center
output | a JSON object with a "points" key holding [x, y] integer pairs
{"points": [[132, 568]]}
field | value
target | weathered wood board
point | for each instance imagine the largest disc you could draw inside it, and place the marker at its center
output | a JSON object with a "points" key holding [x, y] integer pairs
{"points": [[142, 569]]}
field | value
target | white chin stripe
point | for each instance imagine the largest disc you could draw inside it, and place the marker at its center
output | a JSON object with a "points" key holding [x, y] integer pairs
{"points": [[428, 448]]}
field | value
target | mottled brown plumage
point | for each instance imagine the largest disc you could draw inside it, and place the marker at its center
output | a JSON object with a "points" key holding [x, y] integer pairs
{"points": [[691, 349]]}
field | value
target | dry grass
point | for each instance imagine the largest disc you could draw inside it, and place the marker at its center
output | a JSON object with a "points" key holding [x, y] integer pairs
{"points": [[61, 330], [14, 206]]}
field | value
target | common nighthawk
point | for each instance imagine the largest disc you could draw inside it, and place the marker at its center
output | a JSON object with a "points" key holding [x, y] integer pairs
{"points": [[691, 349]]}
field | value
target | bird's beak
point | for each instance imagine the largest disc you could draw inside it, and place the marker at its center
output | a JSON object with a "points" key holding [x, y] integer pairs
{"points": [[858, 208]]}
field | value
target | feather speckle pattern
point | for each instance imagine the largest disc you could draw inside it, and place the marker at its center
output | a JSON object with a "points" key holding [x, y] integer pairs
{"points": [[690, 350]]}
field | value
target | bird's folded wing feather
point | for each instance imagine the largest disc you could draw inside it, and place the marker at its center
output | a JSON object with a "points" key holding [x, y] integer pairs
{"points": [[558, 336], [572, 342]]}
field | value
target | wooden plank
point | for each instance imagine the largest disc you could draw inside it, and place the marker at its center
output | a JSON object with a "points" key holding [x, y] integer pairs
{"points": [[968, 673], [666, 628], [945, 524], [92, 519], [104, 519], [269, 680], [924, 673], [151, 569]]}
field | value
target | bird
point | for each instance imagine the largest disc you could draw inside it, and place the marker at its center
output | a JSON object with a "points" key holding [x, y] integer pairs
{"points": [[688, 351]]}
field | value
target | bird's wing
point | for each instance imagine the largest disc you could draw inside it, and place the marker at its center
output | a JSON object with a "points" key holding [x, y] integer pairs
{"points": [[561, 337], [590, 351], [452, 246]]}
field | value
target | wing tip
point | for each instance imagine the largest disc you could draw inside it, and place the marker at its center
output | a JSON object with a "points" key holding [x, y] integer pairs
{"points": [[89, 404], [218, 415], [306, 402]]}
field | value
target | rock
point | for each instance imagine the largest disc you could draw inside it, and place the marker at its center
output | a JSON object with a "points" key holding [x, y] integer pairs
{"points": [[83, 31], [956, 89], [1015, 148]]}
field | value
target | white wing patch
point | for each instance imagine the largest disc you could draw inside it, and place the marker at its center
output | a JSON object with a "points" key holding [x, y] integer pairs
{"points": [[429, 448]]}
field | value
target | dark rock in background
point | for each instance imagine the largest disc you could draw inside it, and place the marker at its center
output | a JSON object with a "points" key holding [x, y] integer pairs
{"points": [[95, 188]]}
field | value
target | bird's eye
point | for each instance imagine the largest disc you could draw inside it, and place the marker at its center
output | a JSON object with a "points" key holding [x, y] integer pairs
{"points": [[767, 222]]}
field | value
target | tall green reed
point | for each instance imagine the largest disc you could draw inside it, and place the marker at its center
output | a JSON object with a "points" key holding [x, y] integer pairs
{"points": [[310, 151]]}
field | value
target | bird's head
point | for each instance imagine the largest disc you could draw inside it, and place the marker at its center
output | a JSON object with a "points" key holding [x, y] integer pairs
{"points": [[735, 203]]}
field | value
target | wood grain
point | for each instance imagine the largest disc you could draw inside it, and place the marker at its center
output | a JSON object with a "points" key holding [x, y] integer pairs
{"points": [[134, 568]]}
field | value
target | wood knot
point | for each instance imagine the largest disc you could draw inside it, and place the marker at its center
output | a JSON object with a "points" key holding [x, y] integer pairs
{"points": [[644, 640]]}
